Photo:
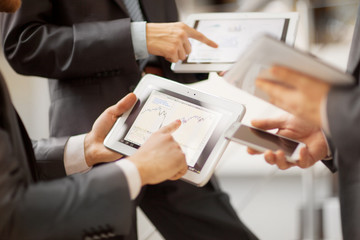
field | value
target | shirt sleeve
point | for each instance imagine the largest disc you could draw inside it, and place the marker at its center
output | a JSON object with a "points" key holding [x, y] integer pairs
{"points": [[74, 161], [138, 35], [74, 157], [132, 176]]}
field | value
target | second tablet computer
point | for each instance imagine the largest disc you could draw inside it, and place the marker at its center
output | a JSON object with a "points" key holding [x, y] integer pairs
{"points": [[233, 32], [201, 135], [262, 140]]}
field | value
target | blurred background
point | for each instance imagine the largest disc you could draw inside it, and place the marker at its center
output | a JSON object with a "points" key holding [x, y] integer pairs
{"points": [[275, 204]]}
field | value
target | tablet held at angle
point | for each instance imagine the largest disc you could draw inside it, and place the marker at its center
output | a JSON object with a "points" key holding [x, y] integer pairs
{"points": [[204, 120], [261, 141]]}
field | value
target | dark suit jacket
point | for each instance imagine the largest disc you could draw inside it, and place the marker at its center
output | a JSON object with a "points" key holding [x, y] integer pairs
{"points": [[343, 109], [69, 208], [86, 46]]}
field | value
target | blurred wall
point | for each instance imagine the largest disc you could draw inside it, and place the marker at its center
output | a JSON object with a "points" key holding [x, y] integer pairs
{"points": [[31, 99]]}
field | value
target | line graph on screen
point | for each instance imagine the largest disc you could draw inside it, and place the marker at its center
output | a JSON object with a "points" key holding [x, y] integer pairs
{"points": [[160, 109]]}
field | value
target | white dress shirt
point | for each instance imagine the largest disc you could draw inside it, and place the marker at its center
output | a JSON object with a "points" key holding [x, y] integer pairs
{"points": [[138, 36]]}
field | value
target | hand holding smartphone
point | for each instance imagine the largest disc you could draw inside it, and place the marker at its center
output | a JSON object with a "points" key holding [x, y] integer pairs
{"points": [[261, 140]]}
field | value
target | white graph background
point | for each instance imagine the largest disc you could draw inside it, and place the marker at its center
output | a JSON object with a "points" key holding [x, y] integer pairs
{"points": [[232, 36], [160, 109]]}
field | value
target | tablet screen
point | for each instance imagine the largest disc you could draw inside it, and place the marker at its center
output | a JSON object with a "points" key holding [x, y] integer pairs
{"points": [[163, 107], [233, 36]]}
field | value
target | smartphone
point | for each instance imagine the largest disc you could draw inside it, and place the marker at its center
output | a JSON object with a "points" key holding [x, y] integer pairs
{"points": [[261, 140]]}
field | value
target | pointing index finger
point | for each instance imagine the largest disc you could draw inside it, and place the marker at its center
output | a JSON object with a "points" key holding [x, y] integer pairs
{"points": [[192, 33], [172, 127]]}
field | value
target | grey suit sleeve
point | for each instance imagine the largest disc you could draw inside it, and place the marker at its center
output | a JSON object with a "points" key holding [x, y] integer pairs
{"points": [[39, 41], [68, 208], [49, 154], [330, 164], [343, 109]]}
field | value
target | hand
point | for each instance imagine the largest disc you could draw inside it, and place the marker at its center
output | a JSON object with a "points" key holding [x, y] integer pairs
{"points": [[160, 158], [222, 73], [171, 40], [297, 129], [294, 92], [10, 6], [94, 149]]}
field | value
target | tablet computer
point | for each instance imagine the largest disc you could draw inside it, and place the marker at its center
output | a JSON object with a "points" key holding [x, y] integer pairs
{"points": [[204, 118], [267, 51], [233, 32]]}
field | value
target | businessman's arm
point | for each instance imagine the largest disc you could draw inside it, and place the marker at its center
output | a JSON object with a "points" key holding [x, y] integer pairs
{"points": [[72, 207], [39, 40], [60, 209], [50, 152]]}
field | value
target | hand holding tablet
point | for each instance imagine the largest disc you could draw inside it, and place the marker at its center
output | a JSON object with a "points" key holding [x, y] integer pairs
{"points": [[262, 141], [204, 119]]}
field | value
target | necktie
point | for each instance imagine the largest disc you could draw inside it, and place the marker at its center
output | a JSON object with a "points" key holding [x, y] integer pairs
{"points": [[134, 10]]}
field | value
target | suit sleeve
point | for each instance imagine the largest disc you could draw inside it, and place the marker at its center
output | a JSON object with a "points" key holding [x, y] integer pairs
{"points": [[331, 164], [343, 109], [69, 208], [49, 154], [35, 44]]}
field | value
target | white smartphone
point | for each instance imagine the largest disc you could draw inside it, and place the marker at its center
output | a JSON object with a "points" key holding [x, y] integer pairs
{"points": [[261, 140]]}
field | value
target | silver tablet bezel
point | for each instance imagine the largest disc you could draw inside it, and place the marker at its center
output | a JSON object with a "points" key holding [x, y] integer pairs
{"points": [[231, 112], [182, 67]]}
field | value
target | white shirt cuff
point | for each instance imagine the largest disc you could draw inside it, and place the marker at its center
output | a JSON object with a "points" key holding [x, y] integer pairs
{"points": [[132, 176], [74, 157], [138, 35]]}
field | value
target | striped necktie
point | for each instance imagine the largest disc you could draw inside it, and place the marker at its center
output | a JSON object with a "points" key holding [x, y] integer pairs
{"points": [[134, 10]]}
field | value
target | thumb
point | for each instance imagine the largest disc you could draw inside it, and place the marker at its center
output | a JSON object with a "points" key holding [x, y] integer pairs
{"points": [[123, 105], [107, 119]]}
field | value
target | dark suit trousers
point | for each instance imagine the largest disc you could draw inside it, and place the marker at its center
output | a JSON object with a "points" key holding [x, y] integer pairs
{"points": [[182, 211]]}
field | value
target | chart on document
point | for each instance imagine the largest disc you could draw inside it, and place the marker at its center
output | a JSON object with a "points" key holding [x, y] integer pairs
{"points": [[198, 123], [232, 36]]}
